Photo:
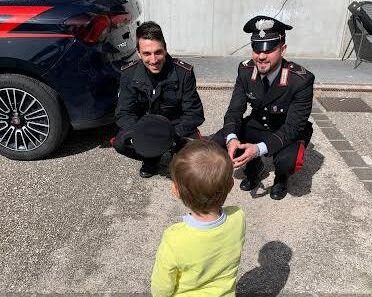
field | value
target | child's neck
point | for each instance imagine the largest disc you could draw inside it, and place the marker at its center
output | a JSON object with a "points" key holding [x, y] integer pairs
{"points": [[206, 217]]}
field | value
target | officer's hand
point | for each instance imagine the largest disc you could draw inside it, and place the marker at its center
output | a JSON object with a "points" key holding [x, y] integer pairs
{"points": [[232, 146], [250, 152]]}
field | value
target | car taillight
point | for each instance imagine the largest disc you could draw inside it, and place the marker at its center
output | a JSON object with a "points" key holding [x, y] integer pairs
{"points": [[120, 19], [89, 29]]}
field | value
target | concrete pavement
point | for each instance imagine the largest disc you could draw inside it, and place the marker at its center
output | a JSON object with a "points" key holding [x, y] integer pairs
{"points": [[84, 223]]}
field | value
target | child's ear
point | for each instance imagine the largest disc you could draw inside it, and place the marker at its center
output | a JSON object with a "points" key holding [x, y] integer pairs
{"points": [[175, 190]]}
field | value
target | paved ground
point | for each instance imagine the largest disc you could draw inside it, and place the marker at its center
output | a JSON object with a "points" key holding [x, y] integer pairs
{"points": [[84, 222]]}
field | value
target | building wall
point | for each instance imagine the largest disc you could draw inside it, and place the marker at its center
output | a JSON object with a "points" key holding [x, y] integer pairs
{"points": [[214, 27]]}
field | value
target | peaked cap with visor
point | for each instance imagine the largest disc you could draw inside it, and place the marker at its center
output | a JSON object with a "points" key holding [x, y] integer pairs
{"points": [[267, 32]]}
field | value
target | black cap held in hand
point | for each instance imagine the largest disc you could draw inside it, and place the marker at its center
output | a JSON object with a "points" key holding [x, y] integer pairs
{"points": [[153, 136], [267, 32]]}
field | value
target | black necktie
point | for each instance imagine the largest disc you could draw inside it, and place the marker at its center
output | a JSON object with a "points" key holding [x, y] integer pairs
{"points": [[266, 84]]}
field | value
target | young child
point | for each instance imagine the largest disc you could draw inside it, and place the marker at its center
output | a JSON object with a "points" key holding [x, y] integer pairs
{"points": [[200, 256]]}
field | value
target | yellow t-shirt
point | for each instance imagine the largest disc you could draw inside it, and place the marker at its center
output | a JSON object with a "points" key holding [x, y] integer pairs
{"points": [[199, 262]]}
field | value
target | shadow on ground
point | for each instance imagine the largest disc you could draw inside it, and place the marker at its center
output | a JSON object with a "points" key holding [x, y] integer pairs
{"points": [[270, 277], [84, 140]]}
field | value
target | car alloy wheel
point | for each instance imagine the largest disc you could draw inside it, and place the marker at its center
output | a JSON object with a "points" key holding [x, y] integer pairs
{"points": [[33, 122], [24, 123]]}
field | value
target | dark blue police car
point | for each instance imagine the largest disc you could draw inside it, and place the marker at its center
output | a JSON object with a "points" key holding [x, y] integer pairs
{"points": [[57, 69]]}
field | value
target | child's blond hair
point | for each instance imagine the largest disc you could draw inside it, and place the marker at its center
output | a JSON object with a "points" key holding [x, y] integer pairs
{"points": [[202, 172]]}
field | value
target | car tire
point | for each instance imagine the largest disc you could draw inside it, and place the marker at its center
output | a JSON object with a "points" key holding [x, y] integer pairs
{"points": [[33, 123]]}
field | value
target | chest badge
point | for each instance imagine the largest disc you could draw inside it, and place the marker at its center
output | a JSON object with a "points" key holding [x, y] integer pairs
{"points": [[251, 96]]}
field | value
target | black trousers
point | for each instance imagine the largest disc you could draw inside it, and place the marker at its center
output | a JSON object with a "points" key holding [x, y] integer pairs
{"points": [[123, 145], [286, 162]]}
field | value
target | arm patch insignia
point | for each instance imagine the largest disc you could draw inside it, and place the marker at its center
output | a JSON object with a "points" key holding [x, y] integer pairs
{"points": [[297, 69], [130, 64], [182, 64]]}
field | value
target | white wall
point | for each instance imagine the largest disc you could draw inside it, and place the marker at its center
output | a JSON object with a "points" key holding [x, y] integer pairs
{"points": [[214, 27]]}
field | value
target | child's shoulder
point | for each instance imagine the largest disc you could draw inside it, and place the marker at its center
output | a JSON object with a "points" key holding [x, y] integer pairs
{"points": [[234, 211], [175, 229], [235, 221]]}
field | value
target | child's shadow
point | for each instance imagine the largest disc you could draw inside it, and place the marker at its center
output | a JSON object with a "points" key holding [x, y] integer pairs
{"points": [[271, 276]]}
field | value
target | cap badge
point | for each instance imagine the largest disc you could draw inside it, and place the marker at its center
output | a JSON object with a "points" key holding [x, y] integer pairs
{"points": [[264, 25]]}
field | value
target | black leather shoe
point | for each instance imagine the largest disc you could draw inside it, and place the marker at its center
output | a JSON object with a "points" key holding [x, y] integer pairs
{"points": [[278, 190], [148, 169], [250, 183]]}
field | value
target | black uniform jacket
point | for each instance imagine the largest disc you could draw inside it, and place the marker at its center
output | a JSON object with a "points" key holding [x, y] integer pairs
{"points": [[282, 112], [175, 97]]}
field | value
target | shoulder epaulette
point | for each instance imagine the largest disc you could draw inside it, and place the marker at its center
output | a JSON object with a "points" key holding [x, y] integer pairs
{"points": [[297, 69], [182, 64], [247, 63], [129, 65]]}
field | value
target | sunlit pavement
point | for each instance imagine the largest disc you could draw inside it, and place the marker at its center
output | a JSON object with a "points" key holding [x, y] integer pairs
{"points": [[84, 222]]}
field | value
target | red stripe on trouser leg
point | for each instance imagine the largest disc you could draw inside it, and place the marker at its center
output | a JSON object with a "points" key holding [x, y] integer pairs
{"points": [[112, 140], [198, 134], [300, 157]]}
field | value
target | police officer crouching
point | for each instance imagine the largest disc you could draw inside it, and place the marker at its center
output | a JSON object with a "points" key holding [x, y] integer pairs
{"points": [[158, 106], [280, 94]]}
